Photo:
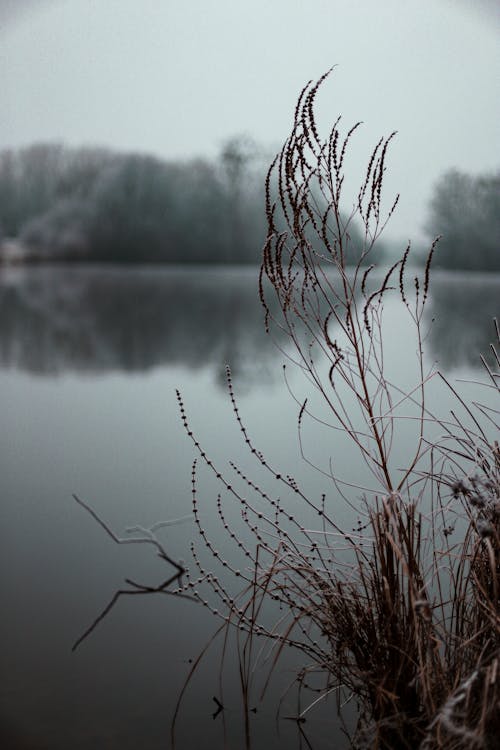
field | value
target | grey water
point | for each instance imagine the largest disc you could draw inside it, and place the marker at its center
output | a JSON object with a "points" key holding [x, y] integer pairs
{"points": [[90, 358]]}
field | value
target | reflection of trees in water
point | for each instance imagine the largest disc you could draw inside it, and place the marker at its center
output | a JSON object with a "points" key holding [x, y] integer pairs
{"points": [[55, 320], [463, 306], [103, 320]]}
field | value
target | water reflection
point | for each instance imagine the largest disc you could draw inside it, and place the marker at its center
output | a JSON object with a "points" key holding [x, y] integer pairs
{"points": [[101, 320], [118, 443], [463, 307]]}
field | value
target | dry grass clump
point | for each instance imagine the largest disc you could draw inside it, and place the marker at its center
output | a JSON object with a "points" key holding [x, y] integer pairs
{"points": [[401, 615]]}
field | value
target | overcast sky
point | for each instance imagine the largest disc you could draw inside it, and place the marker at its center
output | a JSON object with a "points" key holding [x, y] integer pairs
{"points": [[176, 78]]}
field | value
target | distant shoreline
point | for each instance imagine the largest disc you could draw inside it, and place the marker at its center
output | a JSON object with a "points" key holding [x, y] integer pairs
{"points": [[130, 265]]}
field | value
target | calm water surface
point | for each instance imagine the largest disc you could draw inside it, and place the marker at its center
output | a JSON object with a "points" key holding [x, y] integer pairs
{"points": [[89, 362]]}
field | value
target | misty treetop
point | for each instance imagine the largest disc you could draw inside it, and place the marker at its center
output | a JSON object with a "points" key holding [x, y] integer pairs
{"points": [[465, 210]]}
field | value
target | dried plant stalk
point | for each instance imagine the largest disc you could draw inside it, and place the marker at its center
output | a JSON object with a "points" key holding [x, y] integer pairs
{"points": [[402, 614], [397, 614]]}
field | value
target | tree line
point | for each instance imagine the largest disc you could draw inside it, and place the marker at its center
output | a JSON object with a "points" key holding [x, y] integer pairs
{"points": [[97, 205]]}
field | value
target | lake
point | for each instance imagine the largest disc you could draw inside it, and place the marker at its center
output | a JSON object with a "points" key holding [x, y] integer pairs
{"points": [[90, 358]]}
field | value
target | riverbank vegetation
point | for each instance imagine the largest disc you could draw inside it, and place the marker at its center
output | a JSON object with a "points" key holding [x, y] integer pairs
{"points": [[398, 615]]}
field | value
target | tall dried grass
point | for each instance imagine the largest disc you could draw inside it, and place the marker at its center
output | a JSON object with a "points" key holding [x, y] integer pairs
{"points": [[402, 614]]}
